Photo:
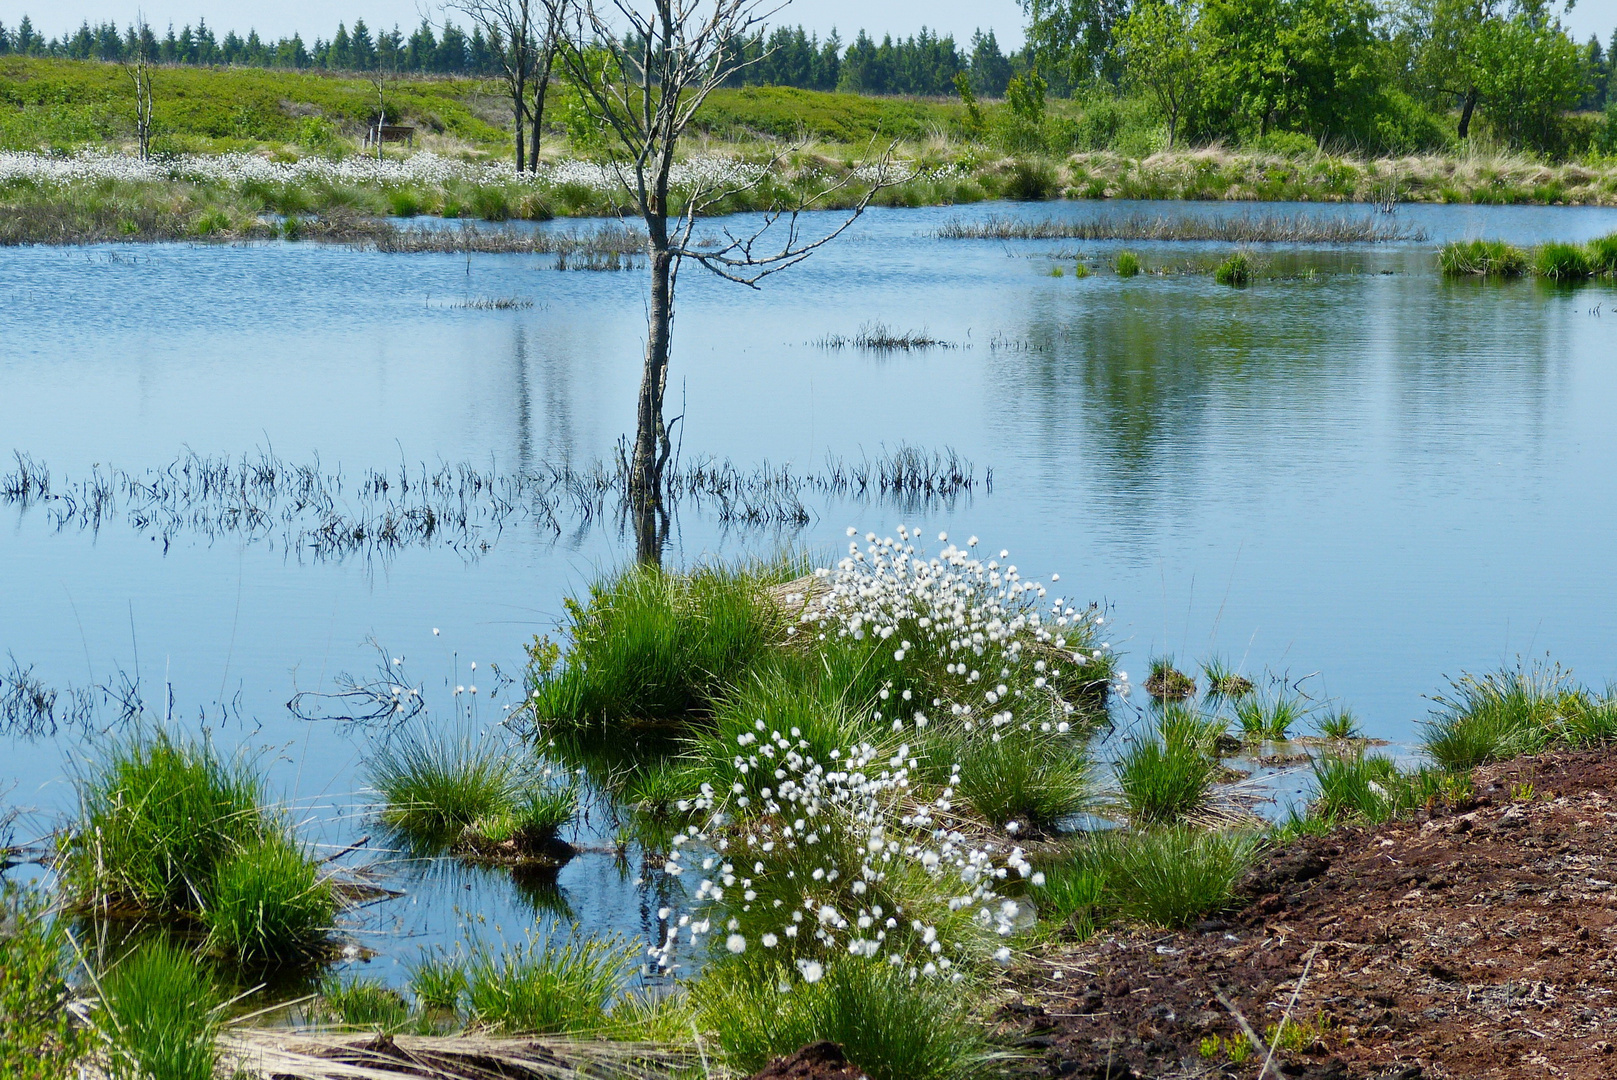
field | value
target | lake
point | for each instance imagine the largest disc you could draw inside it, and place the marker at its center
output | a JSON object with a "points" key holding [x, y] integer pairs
{"points": [[1352, 475]]}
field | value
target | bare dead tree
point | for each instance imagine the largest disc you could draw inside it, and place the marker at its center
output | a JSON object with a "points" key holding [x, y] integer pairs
{"points": [[512, 28], [139, 69], [642, 69], [554, 26]]}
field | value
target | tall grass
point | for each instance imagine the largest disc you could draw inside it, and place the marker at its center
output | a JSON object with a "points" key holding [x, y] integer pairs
{"points": [[157, 816], [1482, 258], [1167, 774], [268, 902], [1503, 714], [435, 785], [159, 1015], [1561, 262], [365, 1004], [658, 646], [1165, 877], [890, 1028], [562, 986]]}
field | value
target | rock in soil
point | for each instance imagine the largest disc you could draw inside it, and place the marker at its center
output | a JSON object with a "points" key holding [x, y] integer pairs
{"points": [[816, 1061], [1474, 943]]}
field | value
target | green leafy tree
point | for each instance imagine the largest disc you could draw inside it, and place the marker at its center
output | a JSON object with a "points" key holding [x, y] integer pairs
{"points": [[1159, 47], [1528, 75], [1074, 37]]}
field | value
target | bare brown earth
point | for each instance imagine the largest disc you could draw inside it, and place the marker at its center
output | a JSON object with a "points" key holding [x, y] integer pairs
{"points": [[816, 1061], [1474, 941]]}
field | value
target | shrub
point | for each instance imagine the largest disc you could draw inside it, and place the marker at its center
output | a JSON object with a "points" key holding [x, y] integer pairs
{"points": [[1235, 270], [1561, 262], [557, 988], [39, 1038], [1482, 258], [890, 1027], [653, 645], [157, 816], [268, 902], [1501, 715], [1128, 264], [160, 1015], [1030, 181]]}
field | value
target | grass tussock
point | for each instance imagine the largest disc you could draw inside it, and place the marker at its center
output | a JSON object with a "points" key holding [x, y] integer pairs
{"points": [[467, 794], [564, 985], [159, 1015], [1166, 878], [889, 1026], [1555, 261], [1268, 718], [1373, 789], [1236, 270], [1243, 229], [1515, 711], [1127, 264], [1166, 775], [878, 337], [1033, 783], [1223, 681], [658, 647], [268, 902]]}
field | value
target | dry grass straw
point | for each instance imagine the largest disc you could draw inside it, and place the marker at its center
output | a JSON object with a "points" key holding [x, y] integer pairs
{"points": [[265, 1053]]}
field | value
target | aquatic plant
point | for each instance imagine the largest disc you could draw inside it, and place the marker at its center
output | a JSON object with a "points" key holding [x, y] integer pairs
{"points": [[268, 903], [1268, 718], [1339, 724], [438, 982], [1166, 774], [1167, 682], [877, 337], [1243, 229], [157, 817], [1235, 270], [1561, 262], [364, 1003], [1603, 254], [1482, 258], [1127, 265], [1503, 714], [562, 985], [159, 1013], [1223, 681], [890, 1026], [455, 790]]}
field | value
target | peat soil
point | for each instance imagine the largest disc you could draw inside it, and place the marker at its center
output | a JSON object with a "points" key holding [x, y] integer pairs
{"points": [[816, 1061], [1471, 941]]}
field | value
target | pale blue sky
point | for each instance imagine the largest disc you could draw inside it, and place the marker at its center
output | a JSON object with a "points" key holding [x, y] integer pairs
{"points": [[319, 17]]}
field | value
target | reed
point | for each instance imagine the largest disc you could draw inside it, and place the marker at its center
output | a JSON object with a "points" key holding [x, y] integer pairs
{"points": [[877, 337], [1243, 229]]}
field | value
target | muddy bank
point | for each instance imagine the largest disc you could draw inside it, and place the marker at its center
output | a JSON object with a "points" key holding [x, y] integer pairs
{"points": [[1474, 941]]}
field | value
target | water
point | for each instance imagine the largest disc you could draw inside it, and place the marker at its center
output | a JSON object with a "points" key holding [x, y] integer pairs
{"points": [[1363, 478]]}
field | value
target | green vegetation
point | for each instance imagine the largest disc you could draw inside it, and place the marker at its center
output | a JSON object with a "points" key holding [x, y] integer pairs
{"points": [[157, 817], [39, 1038], [1521, 710], [1373, 789], [472, 795], [1128, 264], [160, 1015], [1167, 877], [268, 902], [1561, 262], [1168, 683], [1268, 718], [168, 828], [1339, 725], [559, 987], [1235, 270], [1033, 782], [1167, 774], [1482, 258], [890, 1027], [1223, 681], [366, 1004]]}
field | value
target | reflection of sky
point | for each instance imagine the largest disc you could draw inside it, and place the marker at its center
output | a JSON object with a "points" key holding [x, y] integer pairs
{"points": [[1371, 474]]}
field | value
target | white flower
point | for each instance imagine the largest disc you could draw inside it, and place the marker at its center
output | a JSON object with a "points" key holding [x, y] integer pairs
{"points": [[811, 970], [736, 944]]}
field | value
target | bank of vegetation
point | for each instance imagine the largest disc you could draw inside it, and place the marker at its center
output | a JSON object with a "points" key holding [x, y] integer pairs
{"points": [[870, 773]]}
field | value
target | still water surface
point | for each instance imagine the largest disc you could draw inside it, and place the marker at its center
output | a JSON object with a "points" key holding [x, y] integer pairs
{"points": [[1357, 474]]}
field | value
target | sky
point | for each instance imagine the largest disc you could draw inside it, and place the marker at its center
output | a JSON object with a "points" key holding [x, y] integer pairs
{"points": [[318, 18]]}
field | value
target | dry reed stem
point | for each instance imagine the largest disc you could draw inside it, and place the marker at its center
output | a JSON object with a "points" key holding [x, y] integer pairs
{"points": [[285, 1055]]}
